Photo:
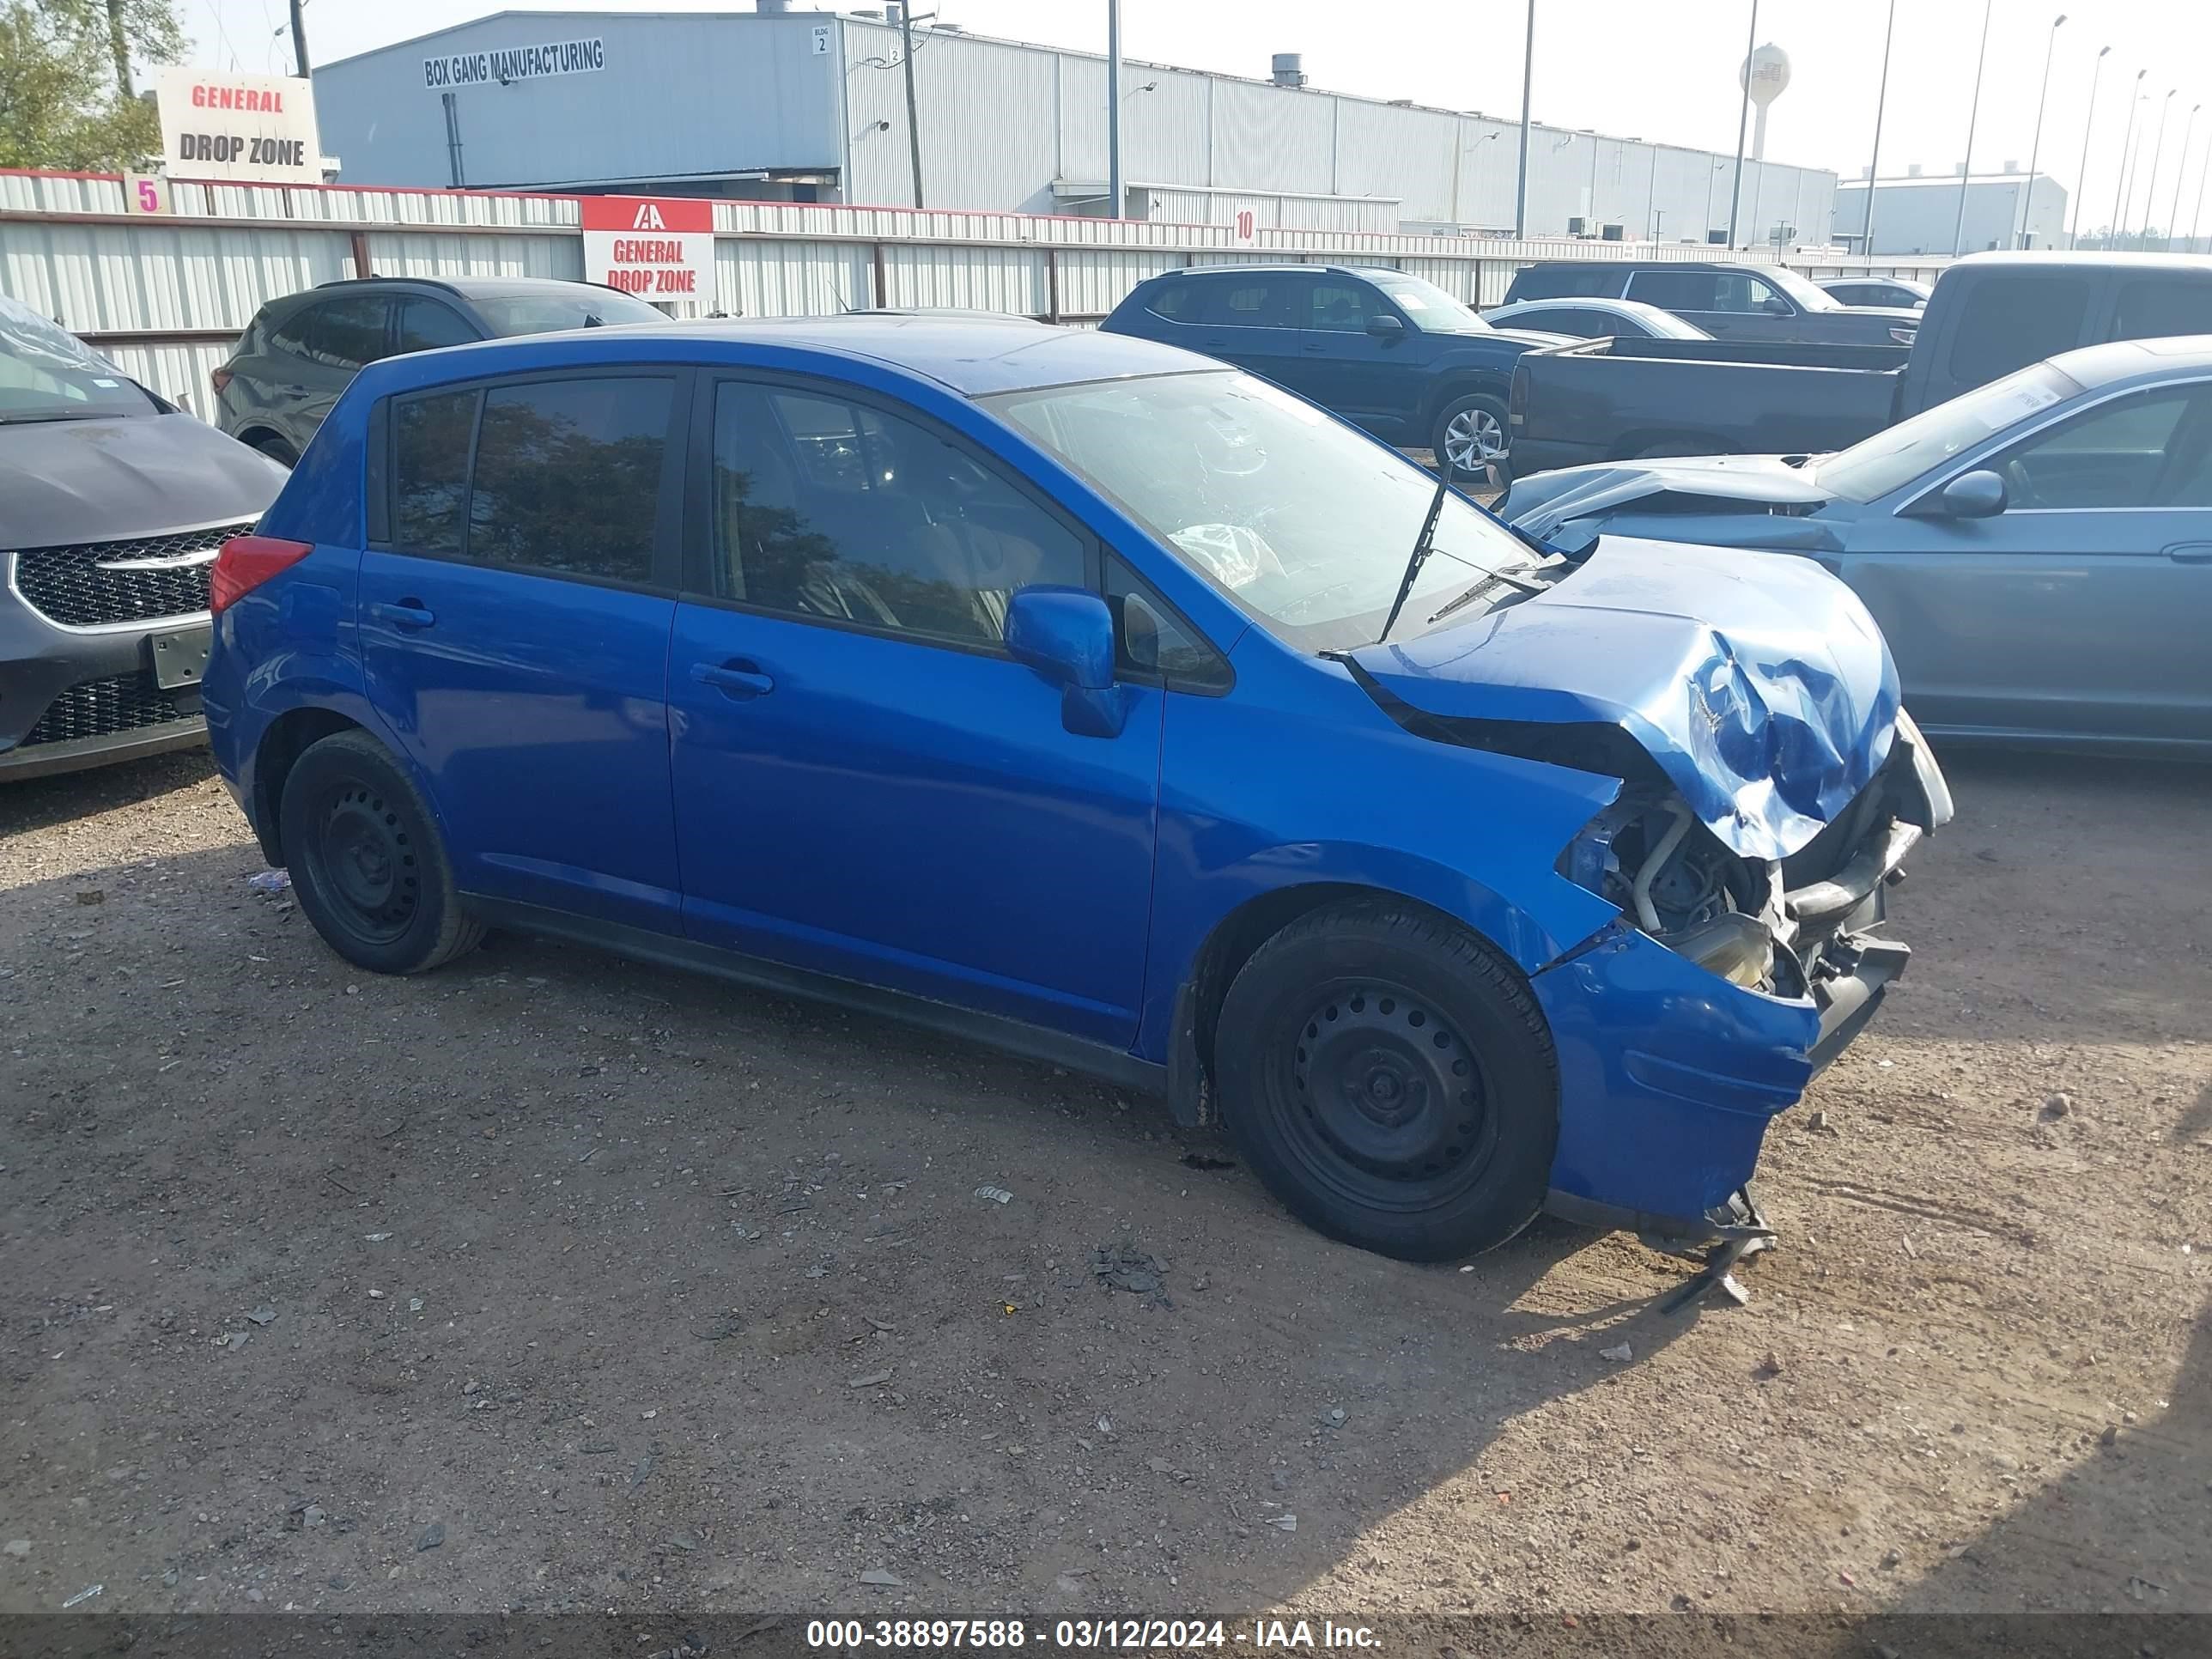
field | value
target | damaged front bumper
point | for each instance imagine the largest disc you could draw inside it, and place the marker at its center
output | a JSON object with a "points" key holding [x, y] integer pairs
{"points": [[1669, 1073]]}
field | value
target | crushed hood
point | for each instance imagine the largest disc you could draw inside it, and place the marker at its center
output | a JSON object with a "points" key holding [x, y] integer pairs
{"points": [[1762, 688], [1543, 503], [63, 482]]}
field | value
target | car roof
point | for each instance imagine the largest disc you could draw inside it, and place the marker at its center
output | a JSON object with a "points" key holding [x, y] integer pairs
{"points": [[972, 355], [2117, 361], [466, 288], [1282, 269], [2195, 265]]}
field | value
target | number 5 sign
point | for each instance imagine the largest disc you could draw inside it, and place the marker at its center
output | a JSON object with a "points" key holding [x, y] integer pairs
{"points": [[146, 192]]}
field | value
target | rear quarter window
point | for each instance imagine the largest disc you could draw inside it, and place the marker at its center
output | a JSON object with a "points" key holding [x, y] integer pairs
{"points": [[2012, 321], [1567, 282], [1176, 301]]}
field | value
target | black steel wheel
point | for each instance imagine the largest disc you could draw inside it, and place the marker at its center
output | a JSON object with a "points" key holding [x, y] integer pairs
{"points": [[1392, 1080], [367, 862]]}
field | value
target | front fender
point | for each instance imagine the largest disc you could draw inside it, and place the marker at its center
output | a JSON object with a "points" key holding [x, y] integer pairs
{"points": [[1299, 780]]}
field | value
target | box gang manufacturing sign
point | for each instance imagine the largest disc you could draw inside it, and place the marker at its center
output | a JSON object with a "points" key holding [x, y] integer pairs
{"points": [[509, 65], [658, 247], [248, 129]]}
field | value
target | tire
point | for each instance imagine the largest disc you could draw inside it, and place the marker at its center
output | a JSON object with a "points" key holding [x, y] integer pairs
{"points": [[1391, 1080], [278, 451], [369, 867], [1477, 420]]}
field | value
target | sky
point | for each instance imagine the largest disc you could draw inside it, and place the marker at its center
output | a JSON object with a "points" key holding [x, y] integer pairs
{"points": [[1661, 70]]}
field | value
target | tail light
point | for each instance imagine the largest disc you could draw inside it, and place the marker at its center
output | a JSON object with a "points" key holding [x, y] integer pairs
{"points": [[245, 562], [220, 378]]}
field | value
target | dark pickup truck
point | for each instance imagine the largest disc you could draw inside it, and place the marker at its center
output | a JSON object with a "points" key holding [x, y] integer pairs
{"points": [[1613, 400]]}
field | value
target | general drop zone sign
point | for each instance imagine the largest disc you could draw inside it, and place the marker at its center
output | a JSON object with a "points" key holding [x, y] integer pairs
{"points": [[247, 129], [657, 247]]}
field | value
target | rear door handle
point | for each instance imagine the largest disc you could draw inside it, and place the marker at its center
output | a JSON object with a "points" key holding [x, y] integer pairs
{"points": [[2191, 552], [1312, 345], [410, 614], [737, 679]]}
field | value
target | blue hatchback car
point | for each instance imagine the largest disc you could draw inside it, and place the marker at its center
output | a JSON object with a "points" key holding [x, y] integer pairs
{"points": [[1080, 695]]}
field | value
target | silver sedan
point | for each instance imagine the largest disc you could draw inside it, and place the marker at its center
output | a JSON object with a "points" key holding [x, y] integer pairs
{"points": [[2039, 552]]}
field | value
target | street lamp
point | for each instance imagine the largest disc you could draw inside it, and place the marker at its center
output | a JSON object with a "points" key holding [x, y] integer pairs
{"points": [[2157, 149], [1528, 76], [1742, 120], [2181, 166], [1881, 102], [2120, 186], [2027, 195], [1973, 114], [2197, 217], [2082, 177]]}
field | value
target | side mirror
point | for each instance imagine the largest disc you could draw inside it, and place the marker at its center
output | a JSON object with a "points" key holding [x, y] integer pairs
{"points": [[1066, 635], [1778, 307], [1382, 325], [1977, 494]]}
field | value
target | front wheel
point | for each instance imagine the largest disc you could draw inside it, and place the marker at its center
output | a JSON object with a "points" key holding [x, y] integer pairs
{"points": [[1392, 1081], [1470, 431], [367, 865]]}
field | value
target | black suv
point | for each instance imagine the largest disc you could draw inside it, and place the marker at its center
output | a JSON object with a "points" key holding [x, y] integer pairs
{"points": [[299, 352], [1387, 351], [1730, 302]]}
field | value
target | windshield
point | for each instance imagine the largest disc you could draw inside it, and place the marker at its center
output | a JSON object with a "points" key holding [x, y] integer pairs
{"points": [[1304, 524], [1889, 460], [1433, 311], [47, 374], [545, 314], [1805, 293]]}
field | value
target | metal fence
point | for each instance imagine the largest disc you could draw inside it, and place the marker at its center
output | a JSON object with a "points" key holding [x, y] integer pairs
{"points": [[165, 295]]}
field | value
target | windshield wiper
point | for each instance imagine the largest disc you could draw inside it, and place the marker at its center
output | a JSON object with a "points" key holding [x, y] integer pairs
{"points": [[1493, 579], [1419, 555]]}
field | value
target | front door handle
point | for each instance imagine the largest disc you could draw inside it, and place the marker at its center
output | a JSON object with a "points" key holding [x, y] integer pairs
{"points": [[737, 679], [1313, 345], [2191, 552], [409, 614]]}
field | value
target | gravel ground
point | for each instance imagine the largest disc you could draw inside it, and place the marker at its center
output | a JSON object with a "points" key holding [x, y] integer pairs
{"points": [[551, 1282]]}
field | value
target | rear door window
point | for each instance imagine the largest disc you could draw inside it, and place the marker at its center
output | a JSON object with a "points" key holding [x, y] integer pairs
{"points": [[1176, 301], [426, 325], [1677, 290], [2149, 308], [560, 476], [567, 476], [1567, 281], [1253, 302], [2014, 321]]}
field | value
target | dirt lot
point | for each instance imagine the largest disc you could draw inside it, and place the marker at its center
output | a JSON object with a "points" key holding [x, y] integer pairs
{"points": [[551, 1282]]}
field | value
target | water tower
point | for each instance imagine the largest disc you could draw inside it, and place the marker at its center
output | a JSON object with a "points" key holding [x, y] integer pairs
{"points": [[1765, 76]]}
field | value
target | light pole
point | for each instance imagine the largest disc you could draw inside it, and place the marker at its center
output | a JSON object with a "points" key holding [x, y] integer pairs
{"points": [[2081, 179], [1527, 76], [2157, 149], [1973, 114], [2197, 216], [2035, 145], [2180, 167], [1742, 121], [2120, 187], [1114, 203], [1881, 102]]}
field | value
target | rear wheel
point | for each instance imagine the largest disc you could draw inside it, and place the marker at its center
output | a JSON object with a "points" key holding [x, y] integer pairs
{"points": [[1392, 1081], [367, 865], [1470, 431]]}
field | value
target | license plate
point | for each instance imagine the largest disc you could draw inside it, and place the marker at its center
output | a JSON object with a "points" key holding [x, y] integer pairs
{"points": [[180, 658]]}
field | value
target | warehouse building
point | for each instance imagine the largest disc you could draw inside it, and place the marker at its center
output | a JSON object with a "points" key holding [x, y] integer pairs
{"points": [[1918, 213], [781, 105]]}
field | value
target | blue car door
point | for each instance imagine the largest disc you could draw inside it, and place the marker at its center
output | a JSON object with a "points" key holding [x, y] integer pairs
{"points": [[1377, 381], [1251, 321], [866, 785], [514, 618]]}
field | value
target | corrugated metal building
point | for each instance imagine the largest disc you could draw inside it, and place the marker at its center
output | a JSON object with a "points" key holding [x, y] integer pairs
{"points": [[1919, 213], [812, 107]]}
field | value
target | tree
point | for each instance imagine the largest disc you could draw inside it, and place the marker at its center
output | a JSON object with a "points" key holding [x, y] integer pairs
{"points": [[66, 91]]}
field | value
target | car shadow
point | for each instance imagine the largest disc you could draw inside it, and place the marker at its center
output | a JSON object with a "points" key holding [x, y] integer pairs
{"points": [[705, 1264]]}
